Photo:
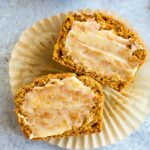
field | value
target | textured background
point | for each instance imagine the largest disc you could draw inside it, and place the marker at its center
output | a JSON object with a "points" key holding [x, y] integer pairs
{"points": [[15, 16]]}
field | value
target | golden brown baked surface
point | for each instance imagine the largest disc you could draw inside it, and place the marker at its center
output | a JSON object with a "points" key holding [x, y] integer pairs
{"points": [[107, 23], [95, 125]]}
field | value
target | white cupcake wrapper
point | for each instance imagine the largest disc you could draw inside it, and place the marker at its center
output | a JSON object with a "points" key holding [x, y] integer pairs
{"points": [[123, 112]]}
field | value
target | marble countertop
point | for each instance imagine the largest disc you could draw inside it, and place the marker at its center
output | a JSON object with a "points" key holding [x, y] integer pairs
{"points": [[15, 16]]}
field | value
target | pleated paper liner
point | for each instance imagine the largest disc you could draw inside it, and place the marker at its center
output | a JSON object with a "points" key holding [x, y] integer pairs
{"points": [[123, 112]]}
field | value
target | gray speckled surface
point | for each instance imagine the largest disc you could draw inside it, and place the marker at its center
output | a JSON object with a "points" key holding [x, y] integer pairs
{"points": [[15, 16]]}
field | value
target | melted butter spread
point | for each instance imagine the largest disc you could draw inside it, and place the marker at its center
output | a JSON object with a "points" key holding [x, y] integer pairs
{"points": [[58, 106], [101, 51]]}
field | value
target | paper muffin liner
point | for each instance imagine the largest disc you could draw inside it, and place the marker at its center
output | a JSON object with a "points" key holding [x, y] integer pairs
{"points": [[123, 112]]}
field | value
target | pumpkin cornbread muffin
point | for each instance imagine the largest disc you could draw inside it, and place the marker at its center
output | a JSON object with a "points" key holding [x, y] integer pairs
{"points": [[59, 105], [100, 46]]}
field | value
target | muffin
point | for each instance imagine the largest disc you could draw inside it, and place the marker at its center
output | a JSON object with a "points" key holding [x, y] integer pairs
{"points": [[59, 105], [101, 47]]}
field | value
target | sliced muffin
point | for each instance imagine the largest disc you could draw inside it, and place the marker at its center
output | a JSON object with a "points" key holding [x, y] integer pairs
{"points": [[100, 46], [59, 105]]}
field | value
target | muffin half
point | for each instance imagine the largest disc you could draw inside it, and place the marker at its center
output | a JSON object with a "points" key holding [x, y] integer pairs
{"points": [[59, 105], [100, 46]]}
